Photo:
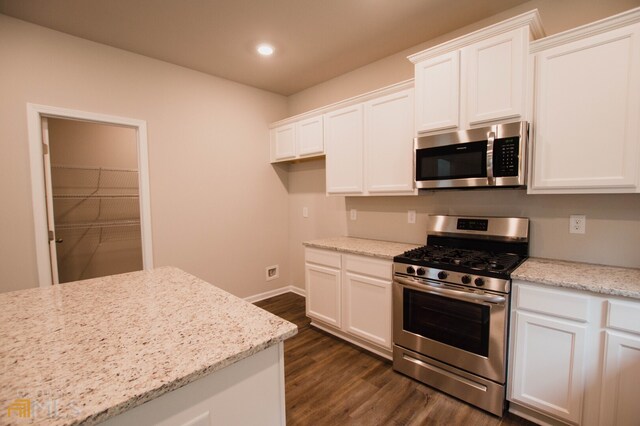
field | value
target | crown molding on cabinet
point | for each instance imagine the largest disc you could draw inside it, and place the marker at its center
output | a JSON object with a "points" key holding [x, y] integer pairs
{"points": [[623, 19], [531, 18], [407, 84]]}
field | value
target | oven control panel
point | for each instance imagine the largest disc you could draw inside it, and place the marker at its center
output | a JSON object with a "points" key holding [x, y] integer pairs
{"points": [[453, 277]]}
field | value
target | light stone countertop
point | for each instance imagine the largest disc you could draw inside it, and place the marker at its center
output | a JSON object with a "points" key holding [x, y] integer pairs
{"points": [[89, 350], [606, 280], [375, 248]]}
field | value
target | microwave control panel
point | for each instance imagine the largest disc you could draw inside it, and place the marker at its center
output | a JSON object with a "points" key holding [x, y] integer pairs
{"points": [[506, 157]]}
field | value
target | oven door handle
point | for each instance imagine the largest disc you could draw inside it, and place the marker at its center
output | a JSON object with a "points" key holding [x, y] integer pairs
{"points": [[462, 295]]}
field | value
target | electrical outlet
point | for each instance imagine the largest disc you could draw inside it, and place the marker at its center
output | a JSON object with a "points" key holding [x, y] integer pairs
{"points": [[305, 212], [353, 213], [272, 272], [411, 216], [577, 224]]}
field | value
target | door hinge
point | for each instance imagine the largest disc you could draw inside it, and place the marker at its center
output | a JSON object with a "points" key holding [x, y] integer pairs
{"points": [[51, 236], [45, 149]]}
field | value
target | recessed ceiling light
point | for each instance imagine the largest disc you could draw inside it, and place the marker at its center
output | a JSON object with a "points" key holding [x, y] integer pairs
{"points": [[265, 49]]}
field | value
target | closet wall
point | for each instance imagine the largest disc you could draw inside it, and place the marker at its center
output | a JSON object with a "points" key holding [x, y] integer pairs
{"points": [[95, 199]]}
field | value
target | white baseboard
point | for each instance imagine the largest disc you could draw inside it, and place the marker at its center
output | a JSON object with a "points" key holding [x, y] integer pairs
{"points": [[277, 292]]}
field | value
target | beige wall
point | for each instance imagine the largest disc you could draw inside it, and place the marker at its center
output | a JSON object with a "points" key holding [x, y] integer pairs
{"points": [[89, 144], [218, 209], [613, 221]]}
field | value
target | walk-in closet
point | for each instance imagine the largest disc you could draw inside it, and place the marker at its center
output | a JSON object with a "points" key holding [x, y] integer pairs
{"points": [[95, 199]]}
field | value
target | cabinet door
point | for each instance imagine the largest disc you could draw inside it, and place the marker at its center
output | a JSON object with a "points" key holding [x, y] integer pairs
{"points": [[495, 76], [310, 136], [367, 308], [284, 140], [548, 365], [323, 293], [344, 140], [389, 143], [620, 380], [438, 93], [587, 104]]}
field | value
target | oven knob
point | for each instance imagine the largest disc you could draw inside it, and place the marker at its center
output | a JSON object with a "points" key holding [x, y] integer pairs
{"points": [[479, 282], [442, 275], [421, 271], [410, 270], [466, 279]]}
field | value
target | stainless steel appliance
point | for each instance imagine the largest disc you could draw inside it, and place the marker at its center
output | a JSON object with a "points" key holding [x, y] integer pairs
{"points": [[487, 157], [451, 306]]}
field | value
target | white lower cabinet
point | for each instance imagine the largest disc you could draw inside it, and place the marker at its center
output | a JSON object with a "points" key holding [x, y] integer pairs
{"points": [[549, 355], [574, 356], [322, 282], [621, 365], [352, 300]]}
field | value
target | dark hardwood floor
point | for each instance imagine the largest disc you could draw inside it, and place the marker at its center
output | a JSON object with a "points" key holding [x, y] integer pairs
{"points": [[332, 382]]}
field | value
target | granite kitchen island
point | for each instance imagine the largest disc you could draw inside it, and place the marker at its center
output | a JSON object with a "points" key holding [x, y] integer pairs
{"points": [[149, 347]]}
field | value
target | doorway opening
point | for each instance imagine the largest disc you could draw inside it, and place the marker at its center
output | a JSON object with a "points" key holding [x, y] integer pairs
{"points": [[91, 197]]}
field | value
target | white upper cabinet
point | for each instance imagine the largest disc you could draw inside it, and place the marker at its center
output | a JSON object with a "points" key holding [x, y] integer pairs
{"points": [[586, 137], [438, 85], [283, 142], [310, 136], [344, 143], [495, 78], [369, 145], [300, 139], [389, 144], [477, 79]]}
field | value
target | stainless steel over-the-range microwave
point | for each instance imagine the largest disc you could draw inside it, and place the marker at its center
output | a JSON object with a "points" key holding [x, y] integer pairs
{"points": [[492, 156]]}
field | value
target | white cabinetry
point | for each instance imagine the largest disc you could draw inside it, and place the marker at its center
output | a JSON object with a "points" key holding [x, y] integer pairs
{"points": [[438, 92], [367, 299], [587, 109], [388, 146], [495, 78], [477, 79], [323, 286], [549, 341], [621, 370], [575, 356], [300, 139], [370, 147], [344, 139], [350, 297]]}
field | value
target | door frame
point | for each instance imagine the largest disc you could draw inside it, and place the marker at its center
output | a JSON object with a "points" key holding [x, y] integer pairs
{"points": [[35, 113]]}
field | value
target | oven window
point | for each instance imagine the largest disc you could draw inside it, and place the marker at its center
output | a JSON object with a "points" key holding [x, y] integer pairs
{"points": [[459, 161], [464, 325]]}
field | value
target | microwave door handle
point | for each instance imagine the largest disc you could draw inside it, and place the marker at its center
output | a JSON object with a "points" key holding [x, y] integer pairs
{"points": [[490, 140], [462, 295]]}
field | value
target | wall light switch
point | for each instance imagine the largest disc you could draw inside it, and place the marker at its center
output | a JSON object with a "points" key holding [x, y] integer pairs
{"points": [[305, 212], [411, 216], [353, 214], [577, 224]]}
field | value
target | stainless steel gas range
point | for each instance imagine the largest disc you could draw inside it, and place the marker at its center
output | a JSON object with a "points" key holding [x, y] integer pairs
{"points": [[451, 306]]}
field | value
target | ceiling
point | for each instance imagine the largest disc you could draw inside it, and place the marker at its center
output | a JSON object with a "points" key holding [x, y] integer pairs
{"points": [[315, 40]]}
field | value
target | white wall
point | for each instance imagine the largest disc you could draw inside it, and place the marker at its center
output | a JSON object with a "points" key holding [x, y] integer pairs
{"points": [[219, 210]]}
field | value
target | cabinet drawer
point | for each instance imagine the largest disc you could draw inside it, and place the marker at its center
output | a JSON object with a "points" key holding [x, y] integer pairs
{"points": [[323, 257], [623, 316], [369, 266], [559, 303]]}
